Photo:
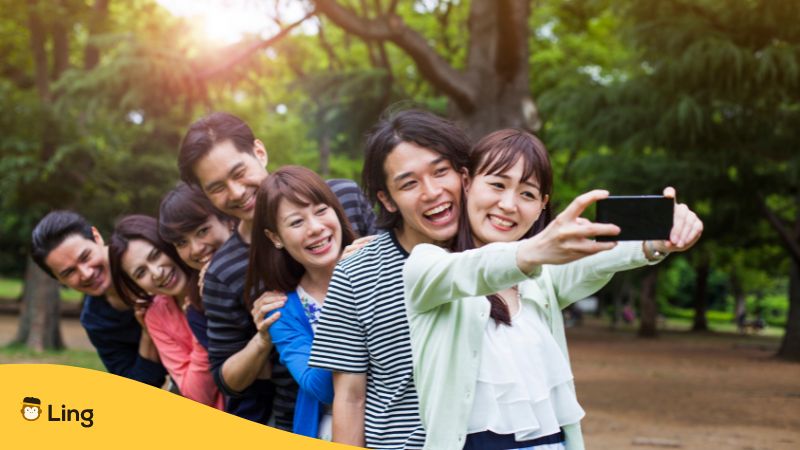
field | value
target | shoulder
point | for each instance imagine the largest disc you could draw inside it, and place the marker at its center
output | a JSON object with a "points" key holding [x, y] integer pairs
{"points": [[343, 186], [378, 253], [229, 262]]}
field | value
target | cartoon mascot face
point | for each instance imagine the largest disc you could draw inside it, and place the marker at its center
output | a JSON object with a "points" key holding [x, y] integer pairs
{"points": [[31, 408]]}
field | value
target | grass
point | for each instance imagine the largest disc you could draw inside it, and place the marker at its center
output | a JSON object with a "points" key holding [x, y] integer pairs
{"points": [[11, 289], [19, 354]]}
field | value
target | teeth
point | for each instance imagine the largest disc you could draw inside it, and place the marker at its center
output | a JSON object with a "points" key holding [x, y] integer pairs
{"points": [[321, 244], [436, 210], [501, 222]]}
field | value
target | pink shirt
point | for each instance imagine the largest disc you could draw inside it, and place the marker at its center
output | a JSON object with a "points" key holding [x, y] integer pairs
{"points": [[183, 357]]}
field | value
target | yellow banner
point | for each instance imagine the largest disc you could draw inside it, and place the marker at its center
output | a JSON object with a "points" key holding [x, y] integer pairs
{"points": [[52, 406]]}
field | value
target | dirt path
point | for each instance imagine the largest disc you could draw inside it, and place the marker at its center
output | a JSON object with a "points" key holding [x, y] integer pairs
{"points": [[698, 392], [71, 331]]}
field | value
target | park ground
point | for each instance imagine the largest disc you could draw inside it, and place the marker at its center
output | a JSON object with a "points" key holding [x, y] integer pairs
{"points": [[682, 390]]}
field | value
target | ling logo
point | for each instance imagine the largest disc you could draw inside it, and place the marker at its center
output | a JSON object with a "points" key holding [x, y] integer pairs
{"points": [[32, 409]]}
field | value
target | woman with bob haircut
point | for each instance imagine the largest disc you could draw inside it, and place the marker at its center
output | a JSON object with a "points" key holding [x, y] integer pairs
{"points": [[490, 353], [299, 233], [188, 221], [145, 269]]}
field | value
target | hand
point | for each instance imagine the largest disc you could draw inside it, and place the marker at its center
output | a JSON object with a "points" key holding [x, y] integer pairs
{"points": [[686, 228], [139, 310], [569, 237], [268, 301], [351, 249]]}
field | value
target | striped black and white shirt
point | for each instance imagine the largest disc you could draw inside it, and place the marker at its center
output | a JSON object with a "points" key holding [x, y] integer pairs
{"points": [[364, 329]]}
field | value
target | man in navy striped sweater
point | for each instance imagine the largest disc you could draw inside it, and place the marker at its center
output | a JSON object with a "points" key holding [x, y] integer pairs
{"points": [[220, 155]]}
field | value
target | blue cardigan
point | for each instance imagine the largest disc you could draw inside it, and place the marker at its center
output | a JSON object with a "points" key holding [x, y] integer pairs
{"points": [[292, 336]]}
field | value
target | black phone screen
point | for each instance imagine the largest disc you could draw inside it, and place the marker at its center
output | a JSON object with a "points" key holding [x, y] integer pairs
{"points": [[641, 217]]}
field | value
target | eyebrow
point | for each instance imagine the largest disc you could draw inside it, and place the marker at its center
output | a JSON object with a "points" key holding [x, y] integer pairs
{"points": [[214, 184], [506, 177], [403, 175], [152, 255]]}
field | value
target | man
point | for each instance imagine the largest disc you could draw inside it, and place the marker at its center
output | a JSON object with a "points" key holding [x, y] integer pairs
{"points": [[70, 250], [413, 168], [221, 156]]}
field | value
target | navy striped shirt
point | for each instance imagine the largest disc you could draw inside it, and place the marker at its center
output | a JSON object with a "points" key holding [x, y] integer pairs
{"points": [[364, 329]]}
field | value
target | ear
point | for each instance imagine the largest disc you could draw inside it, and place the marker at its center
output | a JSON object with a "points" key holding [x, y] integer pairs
{"points": [[387, 201], [97, 238], [545, 201], [466, 181], [260, 152], [276, 240]]}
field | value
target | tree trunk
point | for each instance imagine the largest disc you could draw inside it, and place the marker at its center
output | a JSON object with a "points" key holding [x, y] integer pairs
{"points": [[498, 67], [39, 326], [37, 42], [97, 21], [700, 293], [790, 347], [648, 306], [325, 153]]}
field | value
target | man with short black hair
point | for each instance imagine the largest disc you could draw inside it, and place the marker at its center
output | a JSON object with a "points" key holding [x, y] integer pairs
{"points": [[70, 250], [220, 155], [413, 169]]}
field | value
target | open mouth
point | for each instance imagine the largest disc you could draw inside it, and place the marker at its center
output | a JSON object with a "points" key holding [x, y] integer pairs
{"points": [[321, 246], [95, 282], [169, 281], [502, 223], [440, 214]]}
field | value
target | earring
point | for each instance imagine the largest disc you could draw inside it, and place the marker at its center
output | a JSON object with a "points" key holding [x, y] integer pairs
{"points": [[278, 245]]}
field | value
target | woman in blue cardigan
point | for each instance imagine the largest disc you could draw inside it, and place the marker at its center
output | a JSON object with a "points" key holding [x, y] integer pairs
{"points": [[299, 232]]}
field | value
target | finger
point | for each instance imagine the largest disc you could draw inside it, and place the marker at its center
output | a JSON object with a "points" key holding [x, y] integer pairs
{"points": [[364, 240], [691, 231], [269, 307], [669, 192], [581, 202], [582, 221], [267, 322], [678, 223]]}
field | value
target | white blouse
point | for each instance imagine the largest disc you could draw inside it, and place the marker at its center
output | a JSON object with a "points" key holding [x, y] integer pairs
{"points": [[523, 385]]}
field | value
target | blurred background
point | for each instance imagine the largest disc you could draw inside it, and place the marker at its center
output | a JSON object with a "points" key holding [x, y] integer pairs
{"points": [[628, 95]]}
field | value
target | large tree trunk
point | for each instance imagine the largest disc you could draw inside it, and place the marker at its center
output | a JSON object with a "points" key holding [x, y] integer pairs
{"points": [[700, 293], [648, 306], [39, 326], [790, 347], [498, 66], [739, 305]]}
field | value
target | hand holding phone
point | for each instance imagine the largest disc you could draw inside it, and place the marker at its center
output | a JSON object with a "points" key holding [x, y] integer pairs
{"points": [[640, 217]]}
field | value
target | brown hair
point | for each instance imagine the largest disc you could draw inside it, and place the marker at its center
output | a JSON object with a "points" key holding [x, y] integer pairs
{"points": [[271, 268], [494, 154]]}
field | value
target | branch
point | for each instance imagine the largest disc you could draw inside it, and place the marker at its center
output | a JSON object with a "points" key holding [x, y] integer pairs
{"points": [[392, 28], [237, 53], [789, 241]]}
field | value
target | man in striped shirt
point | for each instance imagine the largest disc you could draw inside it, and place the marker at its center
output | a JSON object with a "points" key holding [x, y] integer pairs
{"points": [[413, 169], [220, 155]]}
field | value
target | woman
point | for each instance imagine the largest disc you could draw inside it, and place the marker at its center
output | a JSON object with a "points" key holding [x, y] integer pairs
{"points": [[144, 268], [506, 382], [188, 221], [299, 232]]}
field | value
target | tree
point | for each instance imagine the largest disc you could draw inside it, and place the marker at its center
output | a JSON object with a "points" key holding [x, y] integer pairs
{"points": [[492, 88]]}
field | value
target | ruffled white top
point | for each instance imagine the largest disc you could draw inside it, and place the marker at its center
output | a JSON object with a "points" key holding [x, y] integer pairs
{"points": [[524, 381]]}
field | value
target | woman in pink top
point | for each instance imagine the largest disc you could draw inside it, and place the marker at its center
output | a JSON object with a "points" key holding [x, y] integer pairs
{"points": [[145, 269]]}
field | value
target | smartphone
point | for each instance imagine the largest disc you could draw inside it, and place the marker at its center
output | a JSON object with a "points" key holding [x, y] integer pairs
{"points": [[641, 217]]}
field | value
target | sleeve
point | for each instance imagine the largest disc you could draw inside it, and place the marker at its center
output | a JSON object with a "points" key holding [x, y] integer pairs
{"points": [[124, 360], [197, 323], [225, 332], [356, 206], [340, 342], [432, 276], [186, 362], [581, 278], [293, 339]]}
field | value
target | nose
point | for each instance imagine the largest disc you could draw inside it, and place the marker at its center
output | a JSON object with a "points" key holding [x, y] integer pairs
{"points": [[155, 272], [508, 201], [430, 188], [236, 190], [195, 248], [315, 226], [85, 271]]}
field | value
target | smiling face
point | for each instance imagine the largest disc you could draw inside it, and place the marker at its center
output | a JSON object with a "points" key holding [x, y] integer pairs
{"points": [[426, 190], [198, 246], [502, 207], [230, 178], [81, 264], [311, 234], [153, 270]]}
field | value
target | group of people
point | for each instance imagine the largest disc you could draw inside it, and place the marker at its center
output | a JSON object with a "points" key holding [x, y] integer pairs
{"points": [[284, 299]]}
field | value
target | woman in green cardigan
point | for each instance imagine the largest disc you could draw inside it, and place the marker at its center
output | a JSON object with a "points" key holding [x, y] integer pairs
{"points": [[490, 355]]}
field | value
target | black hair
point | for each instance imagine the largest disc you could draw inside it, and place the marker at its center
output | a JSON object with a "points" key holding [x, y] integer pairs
{"points": [[52, 230], [422, 128]]}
